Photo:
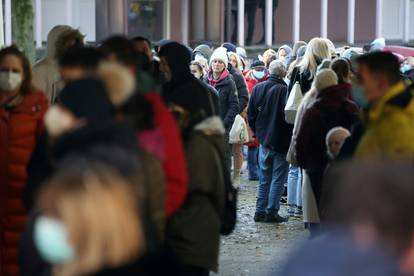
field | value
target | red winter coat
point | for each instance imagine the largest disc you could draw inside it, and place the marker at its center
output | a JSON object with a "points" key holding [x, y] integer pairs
{"points": [[172, 156], [19, 129]]}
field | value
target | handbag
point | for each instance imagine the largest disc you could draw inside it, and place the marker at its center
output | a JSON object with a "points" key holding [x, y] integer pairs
{"points": [[239, 133], [293, 103]]}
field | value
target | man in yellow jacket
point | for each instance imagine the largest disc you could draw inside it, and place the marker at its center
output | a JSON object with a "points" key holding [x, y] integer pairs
{"points": [[390, 118]]}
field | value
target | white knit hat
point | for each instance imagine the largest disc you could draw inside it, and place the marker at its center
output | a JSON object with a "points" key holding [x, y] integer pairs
{"points": [[324, 79], [221, 54]]}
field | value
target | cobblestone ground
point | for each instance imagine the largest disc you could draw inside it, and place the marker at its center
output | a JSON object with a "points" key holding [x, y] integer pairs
{"points": [[257, 248]]}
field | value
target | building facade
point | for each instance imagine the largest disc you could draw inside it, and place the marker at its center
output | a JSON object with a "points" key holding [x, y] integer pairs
{"points": [[348, 21]]}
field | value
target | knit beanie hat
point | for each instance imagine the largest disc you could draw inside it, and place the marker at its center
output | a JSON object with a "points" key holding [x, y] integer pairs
{"points": [[325, 78], [230, 47], [257, 63], [221, 54], [203, 50]]}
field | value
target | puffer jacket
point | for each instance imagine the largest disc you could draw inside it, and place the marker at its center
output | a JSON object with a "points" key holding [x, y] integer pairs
{"points": [[20, 128], [389, 127], [194, 231]]}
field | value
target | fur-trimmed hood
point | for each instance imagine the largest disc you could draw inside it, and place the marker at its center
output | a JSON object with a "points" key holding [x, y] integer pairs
{"points": [[211, 126], [213, 129]]}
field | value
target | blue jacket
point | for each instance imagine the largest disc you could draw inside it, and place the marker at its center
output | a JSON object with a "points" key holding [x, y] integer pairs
{"points": [[266, 114]]}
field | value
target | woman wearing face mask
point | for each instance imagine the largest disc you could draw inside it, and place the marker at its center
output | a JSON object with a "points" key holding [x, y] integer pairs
{"points": [[256, 75], [21, 123]]}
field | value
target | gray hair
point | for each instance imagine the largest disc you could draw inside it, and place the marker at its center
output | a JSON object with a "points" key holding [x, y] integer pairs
{"points": [[277, 68]]}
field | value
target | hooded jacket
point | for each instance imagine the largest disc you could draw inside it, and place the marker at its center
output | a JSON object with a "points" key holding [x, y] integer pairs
{"points": [[228, 101], [332, 108], [20, 129], [194, 231], [266, 114], [182, 81], [46, 75]]}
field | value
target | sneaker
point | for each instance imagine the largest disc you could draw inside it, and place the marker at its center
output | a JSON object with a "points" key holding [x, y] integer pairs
{"points": [[291, 210], [283, 200], [259, 217], [275, 219]]}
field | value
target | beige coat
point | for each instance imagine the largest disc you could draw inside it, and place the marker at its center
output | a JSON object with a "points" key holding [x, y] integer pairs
{"points": [[46, 75]]}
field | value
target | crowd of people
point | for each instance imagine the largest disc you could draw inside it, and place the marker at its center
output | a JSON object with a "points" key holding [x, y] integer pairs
{"points": [[116, 160]]}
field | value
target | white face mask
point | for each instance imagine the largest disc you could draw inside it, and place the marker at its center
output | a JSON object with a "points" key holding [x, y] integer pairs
{"points": [[9, 81]]}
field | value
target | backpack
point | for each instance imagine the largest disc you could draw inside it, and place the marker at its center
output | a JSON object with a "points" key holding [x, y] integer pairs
{"points": [[229, 216]]}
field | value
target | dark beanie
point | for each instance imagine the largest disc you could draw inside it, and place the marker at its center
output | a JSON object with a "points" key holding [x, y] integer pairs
{"points": [[230, 47], [87, 99], [257, 63]]}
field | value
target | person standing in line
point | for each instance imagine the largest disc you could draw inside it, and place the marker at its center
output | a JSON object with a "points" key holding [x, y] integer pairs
{"points": [[22, 109], [243, 96], [46, 75], [266, 118], [332, 108], [257, 74], [220, 78]]}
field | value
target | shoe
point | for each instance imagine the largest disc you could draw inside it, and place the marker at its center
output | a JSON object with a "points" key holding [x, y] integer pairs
{"points": [[283, 201], [275, 219], [298, 212], [291, 210], [259, 217], [253, 179]]}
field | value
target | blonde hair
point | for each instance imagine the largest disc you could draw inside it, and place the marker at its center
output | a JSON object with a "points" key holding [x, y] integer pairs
{"points": [[317, 49], [101, 217], [239, 65]]}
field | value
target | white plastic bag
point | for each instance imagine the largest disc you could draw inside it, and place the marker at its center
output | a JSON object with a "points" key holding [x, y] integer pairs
{"points": [[239, 133], [293, 103]]}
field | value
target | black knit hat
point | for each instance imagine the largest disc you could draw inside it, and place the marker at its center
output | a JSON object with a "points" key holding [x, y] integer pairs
{"points": [[87, 99], [257, 63]]}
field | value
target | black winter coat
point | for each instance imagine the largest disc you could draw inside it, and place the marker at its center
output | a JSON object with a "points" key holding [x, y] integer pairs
{"points": [[303, 79], [228, 101], [242, 91], [266, 114]]}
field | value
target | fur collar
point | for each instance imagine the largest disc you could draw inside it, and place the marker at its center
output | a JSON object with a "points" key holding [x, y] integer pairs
{"points": [[211, 126]]}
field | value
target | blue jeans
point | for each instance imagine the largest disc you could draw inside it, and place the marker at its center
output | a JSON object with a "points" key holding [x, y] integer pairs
{"points": [[253, 163], [294, 186], [272, 178]]}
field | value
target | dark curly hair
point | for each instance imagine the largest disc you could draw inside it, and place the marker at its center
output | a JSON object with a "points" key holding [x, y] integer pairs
{"points": [[27, 81]]}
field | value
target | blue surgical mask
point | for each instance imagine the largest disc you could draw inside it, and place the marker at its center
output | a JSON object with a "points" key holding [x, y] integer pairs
{"points": [[259, 74], [405, 68], [51, 240], [359, 96]]}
